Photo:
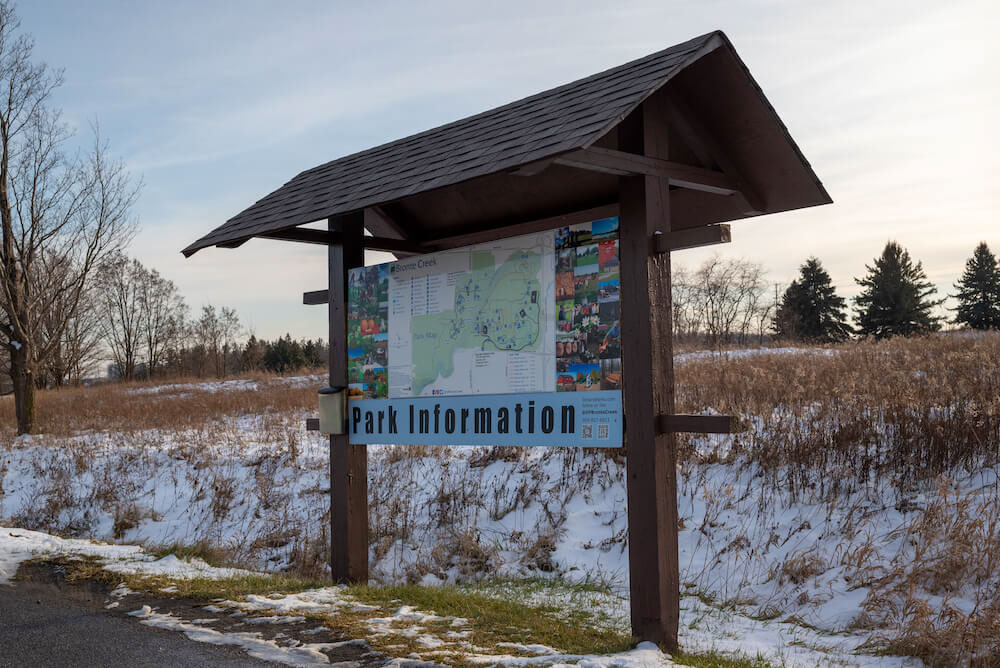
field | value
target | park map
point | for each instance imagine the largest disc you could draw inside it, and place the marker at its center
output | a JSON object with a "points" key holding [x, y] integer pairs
{"points": [[533, 313], [495, 308]]}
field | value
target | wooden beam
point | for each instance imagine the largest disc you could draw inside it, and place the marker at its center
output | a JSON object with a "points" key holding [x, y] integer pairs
{"points": [[532, 168], [304, 235], [315, 297], [698, 424], [310, 236], [648, 390], [625, 164], [688, 125], [381, 224], [348, 463], [692, 238], [236, 243], [528, 227], [401, 246]]}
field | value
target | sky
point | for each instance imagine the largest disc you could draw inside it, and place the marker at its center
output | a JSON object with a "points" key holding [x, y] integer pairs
{"points": [[214, 105]]}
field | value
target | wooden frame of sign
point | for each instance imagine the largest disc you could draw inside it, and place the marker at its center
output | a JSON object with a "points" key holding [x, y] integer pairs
{"points": [[646, 142]]}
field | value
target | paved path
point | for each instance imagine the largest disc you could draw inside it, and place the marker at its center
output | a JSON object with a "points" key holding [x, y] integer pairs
{"points": [[46, 623]]}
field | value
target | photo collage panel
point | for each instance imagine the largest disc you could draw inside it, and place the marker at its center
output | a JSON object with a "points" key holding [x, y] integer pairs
{"points": [[588, 311], [368, 333]]}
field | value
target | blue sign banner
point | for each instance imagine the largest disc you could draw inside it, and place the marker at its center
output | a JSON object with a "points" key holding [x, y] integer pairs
{"points": [[575, 419]]}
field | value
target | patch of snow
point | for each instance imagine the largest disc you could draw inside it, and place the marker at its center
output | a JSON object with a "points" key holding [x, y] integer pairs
{"points": [[645, 654], [237, 385], [171, 566], [19, 545], [275, 619], [121, 591], [736, 353], [531, 649], [254, 645]]}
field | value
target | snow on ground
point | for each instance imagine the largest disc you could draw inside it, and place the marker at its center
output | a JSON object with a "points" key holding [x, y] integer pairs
{"points": [[704, 628], [236, 385], [787, 567], [751, 352], [268, 650], [19, 545]]}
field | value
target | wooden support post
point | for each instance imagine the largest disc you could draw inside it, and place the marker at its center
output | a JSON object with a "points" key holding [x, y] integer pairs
{"points": [[348, 463], [647, 360]]}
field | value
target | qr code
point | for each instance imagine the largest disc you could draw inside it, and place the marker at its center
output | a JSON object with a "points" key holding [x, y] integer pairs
{"points": [[602, 431], [588, 432]]}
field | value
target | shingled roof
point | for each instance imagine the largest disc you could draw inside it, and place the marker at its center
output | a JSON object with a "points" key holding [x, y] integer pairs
{"points": [[569, 117]]}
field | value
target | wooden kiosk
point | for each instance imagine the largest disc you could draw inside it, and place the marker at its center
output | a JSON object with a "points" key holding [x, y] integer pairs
{"points": [[673, 144]]}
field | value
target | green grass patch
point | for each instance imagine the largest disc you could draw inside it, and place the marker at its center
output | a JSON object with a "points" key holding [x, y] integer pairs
{"points": [[494, 620], [559, 616], [210, 554], [717, 660], [233, 588]]}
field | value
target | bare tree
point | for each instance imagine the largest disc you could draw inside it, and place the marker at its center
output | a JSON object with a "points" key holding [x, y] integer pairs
{"points": [[723, 300], [164, 316], [119, 280], [60, 216], [684, 298], [749, 295], [216, 333], [82, 349], [78, 348]]}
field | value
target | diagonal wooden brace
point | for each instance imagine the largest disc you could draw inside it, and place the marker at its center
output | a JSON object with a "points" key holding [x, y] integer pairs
{"points": [[693, 237]]}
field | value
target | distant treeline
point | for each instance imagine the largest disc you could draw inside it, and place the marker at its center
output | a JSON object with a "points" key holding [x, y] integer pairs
{"points": [[282, 355], [728, 301], [138, 320], [133, 317]]}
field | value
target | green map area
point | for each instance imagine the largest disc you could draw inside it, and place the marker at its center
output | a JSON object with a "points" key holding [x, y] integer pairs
{"points": [[495, 309]]}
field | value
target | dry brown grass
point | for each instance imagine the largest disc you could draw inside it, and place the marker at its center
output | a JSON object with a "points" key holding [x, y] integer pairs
{"points": [[882, 420], [127, 407], [947, 547], [899, 410]]}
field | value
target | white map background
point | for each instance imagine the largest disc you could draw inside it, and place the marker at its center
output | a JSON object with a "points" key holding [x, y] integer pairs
{"points": [[428, 286]]}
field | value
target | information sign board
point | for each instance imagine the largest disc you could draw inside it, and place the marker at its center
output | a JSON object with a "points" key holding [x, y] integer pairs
{"points": [[512, 342]]}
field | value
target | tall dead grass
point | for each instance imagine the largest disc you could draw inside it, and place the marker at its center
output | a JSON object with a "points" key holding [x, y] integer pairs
{"points": [[891, 421], [919, 599], [179, 404], [894, 411]]}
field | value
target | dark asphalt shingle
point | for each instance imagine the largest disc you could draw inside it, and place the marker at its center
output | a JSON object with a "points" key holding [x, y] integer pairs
{"points": [[562, 119]]}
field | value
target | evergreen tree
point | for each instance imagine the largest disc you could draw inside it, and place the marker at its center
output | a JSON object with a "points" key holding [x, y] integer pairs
{"points": [[253, 354], [284, 355], [895, 299], [315, 353], [810, 309], [979, 291]]}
